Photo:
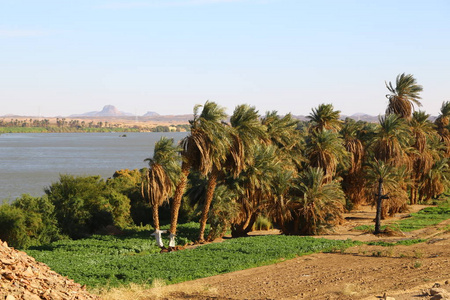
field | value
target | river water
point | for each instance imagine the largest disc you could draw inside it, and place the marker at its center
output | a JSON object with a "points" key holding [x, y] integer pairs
{"points": [[29, 162]]}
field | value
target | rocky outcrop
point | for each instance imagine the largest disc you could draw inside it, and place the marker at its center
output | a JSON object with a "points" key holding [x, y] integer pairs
{"points": [[21, 277]]}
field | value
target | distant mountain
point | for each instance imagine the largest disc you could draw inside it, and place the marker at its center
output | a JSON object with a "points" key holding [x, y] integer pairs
{"points": [[357, 117], [361, 117], [151, 114], [107, 111]]}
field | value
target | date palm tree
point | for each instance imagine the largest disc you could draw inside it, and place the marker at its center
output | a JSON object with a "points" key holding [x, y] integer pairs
{"points": [[353, 179], [216, 145], [247, 132], [324, 117], [254, 187], [423, 156], [283, 134], [161, 177], [384, 175], [391, 140], [442, 123], [325, 150], [319, 203], [437, 180], [203, 149], [404, 96]]}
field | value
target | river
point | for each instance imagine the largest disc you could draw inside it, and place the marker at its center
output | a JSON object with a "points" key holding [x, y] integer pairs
{"points": [[29, 162]]}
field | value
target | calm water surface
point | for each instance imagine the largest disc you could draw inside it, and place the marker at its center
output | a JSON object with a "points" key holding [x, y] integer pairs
{"points": [[29, 162]]}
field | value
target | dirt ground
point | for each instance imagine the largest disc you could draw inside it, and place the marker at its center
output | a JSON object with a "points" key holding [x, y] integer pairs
{"points": [[360, 272]]}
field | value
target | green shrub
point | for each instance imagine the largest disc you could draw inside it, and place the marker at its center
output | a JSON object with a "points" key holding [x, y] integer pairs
{"points": [[84, 205], [262, 223], [28, 221]]}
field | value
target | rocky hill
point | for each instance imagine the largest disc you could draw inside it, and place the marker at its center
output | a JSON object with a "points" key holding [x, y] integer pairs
{"points": [[21, 277], [107, 111]]}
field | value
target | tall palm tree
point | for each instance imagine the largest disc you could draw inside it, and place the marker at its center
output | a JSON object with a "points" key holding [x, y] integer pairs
{"points": [[247, 132], [403, 97], [384, 174], [391, 145], [203, 149], [324, 117], [442, 123], [423, 156], [161, 176], [216, 145], [353, 179], [391, 140], [283, 134], [318, 205]]}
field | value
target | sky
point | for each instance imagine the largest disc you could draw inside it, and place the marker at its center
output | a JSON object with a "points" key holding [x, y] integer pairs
{"points": [[61, 57]]}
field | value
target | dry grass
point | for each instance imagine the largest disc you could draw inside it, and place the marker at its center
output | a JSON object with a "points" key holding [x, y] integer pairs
{"points": [[156, 291]]}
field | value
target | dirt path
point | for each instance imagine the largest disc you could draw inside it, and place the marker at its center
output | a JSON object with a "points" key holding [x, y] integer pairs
{"points": [[361, 272]]}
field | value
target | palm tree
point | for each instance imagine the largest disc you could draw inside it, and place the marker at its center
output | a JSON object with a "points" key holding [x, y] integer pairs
{"points": [[437, 180], [442, 122], [383, 173], [161, 177], [325, 118], [353, 179], [282, 131], [224, 210], [391, 140], [318, 205], [403, 97], [391, 146], [254, 187], [247, 132], [325, 150], [423, 156], [204, 150], [279, 202], [216, 145]]}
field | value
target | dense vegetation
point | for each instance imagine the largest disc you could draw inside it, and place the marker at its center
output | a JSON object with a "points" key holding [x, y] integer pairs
{"points": [[230, 172], [112, 261]]}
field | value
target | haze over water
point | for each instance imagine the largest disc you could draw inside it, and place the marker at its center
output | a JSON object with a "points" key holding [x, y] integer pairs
{"points": [[29, 162]]}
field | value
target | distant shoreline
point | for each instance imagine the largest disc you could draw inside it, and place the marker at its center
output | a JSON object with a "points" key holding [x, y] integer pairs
{"points": [[93, 124]]}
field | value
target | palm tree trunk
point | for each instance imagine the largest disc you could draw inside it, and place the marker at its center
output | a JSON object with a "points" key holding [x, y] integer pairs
{"points": [[212, 182], [155, 215], [252, 221], [379, 203], [176, 203]]}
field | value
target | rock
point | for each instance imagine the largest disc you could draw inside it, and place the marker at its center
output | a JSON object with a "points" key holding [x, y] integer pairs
{"points": [[435, 291], [23, 278], [385, 297], [438, 297], [28, 272], [7, 261]]}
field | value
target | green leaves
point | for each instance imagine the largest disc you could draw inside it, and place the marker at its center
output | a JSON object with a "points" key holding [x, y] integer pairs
{"points": [[113, 261]]}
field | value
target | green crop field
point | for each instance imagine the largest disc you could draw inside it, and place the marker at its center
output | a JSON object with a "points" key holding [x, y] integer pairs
{"points": [[114, 261], [426, 217]]}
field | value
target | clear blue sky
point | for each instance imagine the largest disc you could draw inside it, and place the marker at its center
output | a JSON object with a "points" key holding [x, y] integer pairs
{"points": [[64, 57]]}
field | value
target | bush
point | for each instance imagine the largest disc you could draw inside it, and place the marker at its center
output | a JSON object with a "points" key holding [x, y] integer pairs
{"points": [[84, 205], [28, 221]]}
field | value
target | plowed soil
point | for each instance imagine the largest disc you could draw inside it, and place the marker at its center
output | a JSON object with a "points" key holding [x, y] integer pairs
{"points": [[361, 272]]}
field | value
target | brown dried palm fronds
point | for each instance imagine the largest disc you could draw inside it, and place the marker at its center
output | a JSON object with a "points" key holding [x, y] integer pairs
{"points": [[403, 97]]}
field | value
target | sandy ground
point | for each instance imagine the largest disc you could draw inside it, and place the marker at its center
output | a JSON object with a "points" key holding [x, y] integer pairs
{"points": [[361, 272]]}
